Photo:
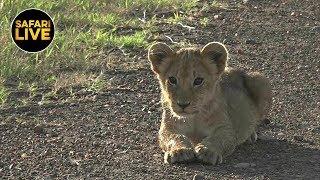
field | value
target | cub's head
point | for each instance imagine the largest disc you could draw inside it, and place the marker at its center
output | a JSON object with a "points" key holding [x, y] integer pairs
{"points": [[188, 76]]}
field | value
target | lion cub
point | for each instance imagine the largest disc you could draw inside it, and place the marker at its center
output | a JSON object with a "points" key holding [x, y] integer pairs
{"points": [[208, 108]]}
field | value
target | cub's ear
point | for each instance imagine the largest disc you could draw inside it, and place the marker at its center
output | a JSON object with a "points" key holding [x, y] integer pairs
{"points": [[216, 53], [158, 53]]}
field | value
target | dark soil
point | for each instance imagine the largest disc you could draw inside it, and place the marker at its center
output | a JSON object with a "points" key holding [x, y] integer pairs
{"points": [[113, 134]]}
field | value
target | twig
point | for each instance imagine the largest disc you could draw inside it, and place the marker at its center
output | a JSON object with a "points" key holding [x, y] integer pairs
{"points": [[120, 48], [174, 42], [186, 26], [144, 17]]}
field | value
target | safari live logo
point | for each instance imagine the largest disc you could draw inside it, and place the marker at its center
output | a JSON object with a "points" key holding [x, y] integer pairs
{"points": [[32, 30]]}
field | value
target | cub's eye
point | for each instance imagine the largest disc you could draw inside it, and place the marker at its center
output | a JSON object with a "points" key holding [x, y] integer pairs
{"points": [[173, 80], [198, 81]]}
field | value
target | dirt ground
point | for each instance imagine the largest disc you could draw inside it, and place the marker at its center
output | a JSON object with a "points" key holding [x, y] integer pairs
{"points": [[113, 134]]}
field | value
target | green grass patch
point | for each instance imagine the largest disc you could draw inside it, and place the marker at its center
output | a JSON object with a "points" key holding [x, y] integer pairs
{"points": [[176, 18], [154, 4], [3, 94], [219, 4], [85, 31], [135, 40]]}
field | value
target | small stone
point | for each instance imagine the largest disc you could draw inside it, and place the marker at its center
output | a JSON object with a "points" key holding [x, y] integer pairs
{"points": [[251, 41], [95, 143], [73, 104], [229, 41], [48, 152], [38, 129], [240, 51], [198, 177], [24, 155], [316, 29], [75, 162], [216, 17], [316, 130], [281, 134], [298, 138]]}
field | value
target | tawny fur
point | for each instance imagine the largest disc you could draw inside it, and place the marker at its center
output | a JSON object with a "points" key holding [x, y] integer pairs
{"points": [[223, 111]]}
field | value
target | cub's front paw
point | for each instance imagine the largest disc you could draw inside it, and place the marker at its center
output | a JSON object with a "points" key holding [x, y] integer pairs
{"points": [[179, 155], [208, 156]]}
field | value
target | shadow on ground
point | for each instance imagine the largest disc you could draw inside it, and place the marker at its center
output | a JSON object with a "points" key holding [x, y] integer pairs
{"points": [[267, 159]]}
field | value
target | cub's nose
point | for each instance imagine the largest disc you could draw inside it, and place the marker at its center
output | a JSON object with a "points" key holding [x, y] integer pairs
{"points": [[183, 104]]}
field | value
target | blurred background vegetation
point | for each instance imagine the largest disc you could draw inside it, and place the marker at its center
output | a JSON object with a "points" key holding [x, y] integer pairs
{"points": [[86, 31]]}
